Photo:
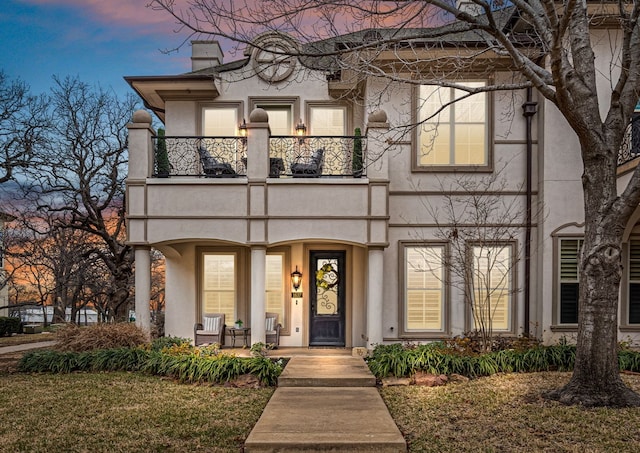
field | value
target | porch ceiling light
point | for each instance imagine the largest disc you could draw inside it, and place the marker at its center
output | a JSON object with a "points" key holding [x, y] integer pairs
{"points": [[296, 279], [243, 128]]}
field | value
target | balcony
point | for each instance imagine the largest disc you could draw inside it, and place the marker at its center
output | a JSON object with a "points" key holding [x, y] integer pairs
{"points": [[630, 148], [289, 157]]}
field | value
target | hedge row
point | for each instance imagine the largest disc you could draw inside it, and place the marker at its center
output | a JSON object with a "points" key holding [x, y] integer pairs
{"points": [[400, 361], [188, 368], [9, 325]]}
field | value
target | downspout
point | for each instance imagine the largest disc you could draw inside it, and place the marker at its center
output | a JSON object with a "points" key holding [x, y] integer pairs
{"points": [[529, 109]]}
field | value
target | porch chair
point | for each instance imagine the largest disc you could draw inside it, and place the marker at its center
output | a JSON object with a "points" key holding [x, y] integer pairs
{"points": [[212, 167], [211, 330], [309, 167], [272, 329]]}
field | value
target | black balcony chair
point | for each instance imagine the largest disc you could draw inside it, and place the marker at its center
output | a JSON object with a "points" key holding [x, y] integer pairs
{"points": [[310, 167], [213, 168]]}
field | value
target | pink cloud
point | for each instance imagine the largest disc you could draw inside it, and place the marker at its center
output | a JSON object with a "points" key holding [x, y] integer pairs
{"points": [[118, 13]]}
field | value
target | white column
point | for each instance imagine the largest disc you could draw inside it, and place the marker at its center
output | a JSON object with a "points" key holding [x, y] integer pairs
{"points": [[374, 297], [143, 287], [258, 266]]}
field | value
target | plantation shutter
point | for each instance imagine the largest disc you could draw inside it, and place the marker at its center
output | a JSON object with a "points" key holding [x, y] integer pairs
{"points": [[219, 284], [569, 275], [424, 288], [492, 286], [634, 282], [274, 286]]}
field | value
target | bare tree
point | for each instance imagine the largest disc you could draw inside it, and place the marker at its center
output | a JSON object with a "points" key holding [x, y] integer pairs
{"points": [[482, 228], [23, 118], [551, 50], [81, 175]]}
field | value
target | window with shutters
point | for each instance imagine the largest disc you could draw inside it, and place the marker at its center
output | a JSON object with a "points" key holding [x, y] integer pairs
{"points": [[634, 282], [276, 295], [569, 276], [424, 289], [219, 284], [492, 286]]}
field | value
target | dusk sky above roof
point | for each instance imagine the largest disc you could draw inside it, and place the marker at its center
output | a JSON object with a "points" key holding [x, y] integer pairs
{"points": [[100, 41]]}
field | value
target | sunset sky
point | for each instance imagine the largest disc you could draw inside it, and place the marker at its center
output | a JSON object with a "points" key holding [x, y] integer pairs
{"points": [[100, 41]]}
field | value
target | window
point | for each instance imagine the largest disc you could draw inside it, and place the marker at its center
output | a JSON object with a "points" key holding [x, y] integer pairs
{"points": [[280, 118], [452, 127], [492, 287], [274, 286], [634, 282], [219, 284], [569, 275], [220, 121], [424, 288], [327, 120]]}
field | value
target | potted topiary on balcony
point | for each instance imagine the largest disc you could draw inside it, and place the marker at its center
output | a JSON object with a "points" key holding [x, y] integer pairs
{"points": [[356, 163], [163, 167]]}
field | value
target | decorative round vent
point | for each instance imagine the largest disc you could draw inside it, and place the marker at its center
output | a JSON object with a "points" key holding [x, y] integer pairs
{"points": [[273, 57]]}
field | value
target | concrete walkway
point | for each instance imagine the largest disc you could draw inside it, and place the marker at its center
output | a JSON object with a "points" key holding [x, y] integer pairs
{"points": [[325, 403], [26, 347]]}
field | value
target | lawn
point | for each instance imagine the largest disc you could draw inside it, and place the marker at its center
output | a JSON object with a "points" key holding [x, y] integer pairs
{"points": [[26, 338], [118, 412], [505, 413]]}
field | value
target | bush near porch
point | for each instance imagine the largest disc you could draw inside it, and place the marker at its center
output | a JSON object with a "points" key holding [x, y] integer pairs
{"points": [[453, 357], [122, 347]]}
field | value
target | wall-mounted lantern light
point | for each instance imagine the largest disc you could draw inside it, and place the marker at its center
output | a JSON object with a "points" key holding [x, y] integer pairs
{"points": [[301, 129], [296, 279], [243, 128]]}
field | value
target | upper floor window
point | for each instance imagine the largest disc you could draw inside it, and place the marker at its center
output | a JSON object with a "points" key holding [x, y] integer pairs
{"points": [[220, 121], [452, 127], [280, 118], [327, 120]]}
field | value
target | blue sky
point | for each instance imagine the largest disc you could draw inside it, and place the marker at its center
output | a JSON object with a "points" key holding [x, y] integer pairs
{"points": [[100, 41]]}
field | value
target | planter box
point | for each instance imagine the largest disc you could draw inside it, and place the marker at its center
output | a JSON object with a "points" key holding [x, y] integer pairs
{"points": [[32, 328]]}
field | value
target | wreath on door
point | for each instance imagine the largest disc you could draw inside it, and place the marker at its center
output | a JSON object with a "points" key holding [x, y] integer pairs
{"points": [[326, 277]]}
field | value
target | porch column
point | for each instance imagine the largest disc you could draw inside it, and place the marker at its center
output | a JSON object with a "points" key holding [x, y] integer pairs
{"points": [[374, 297], [143, 286], [258, 266]]}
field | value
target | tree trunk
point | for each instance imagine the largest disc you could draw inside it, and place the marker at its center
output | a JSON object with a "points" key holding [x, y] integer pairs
{"points": [[596, 378]]}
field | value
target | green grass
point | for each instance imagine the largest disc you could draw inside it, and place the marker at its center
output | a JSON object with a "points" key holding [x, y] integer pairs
{"points": [[506, 413], [118, 412]]}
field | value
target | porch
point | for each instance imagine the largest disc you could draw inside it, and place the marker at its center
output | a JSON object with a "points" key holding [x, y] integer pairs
{"points": [[243, 210]]}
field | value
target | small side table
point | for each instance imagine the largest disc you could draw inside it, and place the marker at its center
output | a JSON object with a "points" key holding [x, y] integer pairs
{"points": [[235, 332]]}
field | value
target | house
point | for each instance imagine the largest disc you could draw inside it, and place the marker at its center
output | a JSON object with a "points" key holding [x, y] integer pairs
{"points": [[4, 289], [264, 184]]}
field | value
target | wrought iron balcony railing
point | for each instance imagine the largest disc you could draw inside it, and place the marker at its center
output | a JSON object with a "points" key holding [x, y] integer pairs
{"points": [[318, 156], [630, 148], [226, 157], [200, 156]]}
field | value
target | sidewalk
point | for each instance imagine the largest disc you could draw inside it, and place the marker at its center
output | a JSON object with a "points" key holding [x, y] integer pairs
{"points": [[26, 347], [326, 404]]}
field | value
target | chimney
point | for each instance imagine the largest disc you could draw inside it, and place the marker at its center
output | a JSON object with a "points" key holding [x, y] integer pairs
{"points": [[205, 54]]}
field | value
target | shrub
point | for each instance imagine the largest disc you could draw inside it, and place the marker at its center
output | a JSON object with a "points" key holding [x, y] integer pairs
{"points": [[441, 358], [101, 336], [158, 344], [194, 367], [9, 325]]}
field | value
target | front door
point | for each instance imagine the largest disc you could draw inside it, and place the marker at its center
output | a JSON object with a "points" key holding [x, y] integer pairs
{"points": [[327, 301]]}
